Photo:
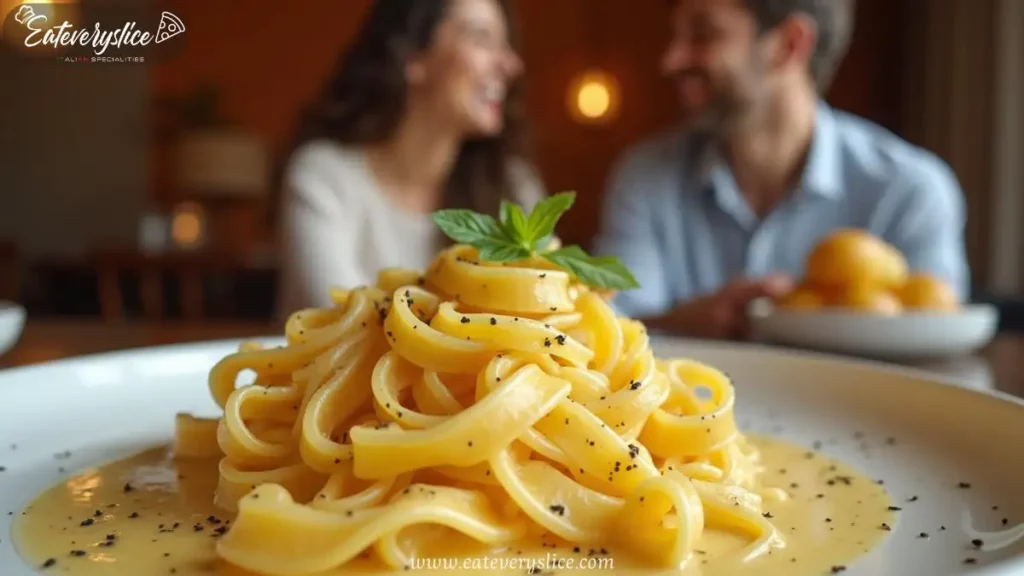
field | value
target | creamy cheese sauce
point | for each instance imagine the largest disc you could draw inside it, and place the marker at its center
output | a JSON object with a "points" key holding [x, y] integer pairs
{"points": [[150, 514]]}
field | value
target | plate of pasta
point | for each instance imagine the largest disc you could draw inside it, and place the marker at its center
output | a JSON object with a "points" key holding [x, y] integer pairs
{"points": [[495, 415]]}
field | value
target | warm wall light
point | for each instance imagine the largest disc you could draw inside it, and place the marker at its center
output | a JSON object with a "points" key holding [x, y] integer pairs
{"points": [[594, 97], [188, 226]]}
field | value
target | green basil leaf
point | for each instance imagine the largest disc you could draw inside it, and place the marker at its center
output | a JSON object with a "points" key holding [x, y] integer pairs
{"points": [[546, 214], [502, 252], [468, 227], [599, 272], [514, 221]]}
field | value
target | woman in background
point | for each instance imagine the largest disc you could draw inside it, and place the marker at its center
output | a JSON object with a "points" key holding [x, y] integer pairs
{"points": [[419, 116]]}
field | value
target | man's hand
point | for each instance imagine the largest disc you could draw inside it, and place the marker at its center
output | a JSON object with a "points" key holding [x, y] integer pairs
{"points": [[722, 315]]}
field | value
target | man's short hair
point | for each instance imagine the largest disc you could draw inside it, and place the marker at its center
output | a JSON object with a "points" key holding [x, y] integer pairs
{"points": [[834, 21]]}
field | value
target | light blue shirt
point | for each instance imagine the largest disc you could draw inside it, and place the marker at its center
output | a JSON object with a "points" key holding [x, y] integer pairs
{"points": [[677, 219]]}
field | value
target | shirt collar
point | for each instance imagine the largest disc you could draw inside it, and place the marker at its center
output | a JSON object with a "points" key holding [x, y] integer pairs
{"points": [[822, 173]]}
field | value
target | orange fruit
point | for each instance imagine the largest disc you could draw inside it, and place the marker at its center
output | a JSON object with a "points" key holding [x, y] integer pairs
{"points": [[895, 269], [802, 298], [850, 256], [926, 292], [867, 298]]}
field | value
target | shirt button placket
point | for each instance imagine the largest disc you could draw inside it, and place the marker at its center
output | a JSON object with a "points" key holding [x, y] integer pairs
{"points": [[762, 244]]}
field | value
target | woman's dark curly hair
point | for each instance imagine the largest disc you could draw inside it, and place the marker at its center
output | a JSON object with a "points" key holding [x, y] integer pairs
{"points": [[364, 100]]}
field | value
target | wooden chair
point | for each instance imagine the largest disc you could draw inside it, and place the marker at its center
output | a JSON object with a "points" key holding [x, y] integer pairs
{"points": [[10, 271], [152, 270]]}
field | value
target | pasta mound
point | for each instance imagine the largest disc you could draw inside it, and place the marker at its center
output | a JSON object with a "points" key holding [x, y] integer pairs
{"points": [[498, 404]]}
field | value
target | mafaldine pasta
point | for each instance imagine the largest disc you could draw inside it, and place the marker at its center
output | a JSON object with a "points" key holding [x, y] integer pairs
{"points": [[499, 402]]}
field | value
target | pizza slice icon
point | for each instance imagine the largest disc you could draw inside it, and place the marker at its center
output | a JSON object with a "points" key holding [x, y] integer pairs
{"points": [[170, 26]]}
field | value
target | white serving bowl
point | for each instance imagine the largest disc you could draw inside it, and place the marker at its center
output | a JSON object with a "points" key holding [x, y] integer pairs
{"points": [[907, 336], [12, 321]]}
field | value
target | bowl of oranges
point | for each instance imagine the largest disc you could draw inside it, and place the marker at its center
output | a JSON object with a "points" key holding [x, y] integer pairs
{"points": [[858, 296]]}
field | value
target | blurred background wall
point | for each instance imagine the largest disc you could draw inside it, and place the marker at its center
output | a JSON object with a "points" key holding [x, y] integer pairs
{"points": [[73, 161], [964, 99], [86, 151], [264, 84]]}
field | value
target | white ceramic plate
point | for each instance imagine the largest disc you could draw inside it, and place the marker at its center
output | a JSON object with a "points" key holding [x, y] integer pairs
{"points": [[12, 320], [108, 406], [909, 336]]}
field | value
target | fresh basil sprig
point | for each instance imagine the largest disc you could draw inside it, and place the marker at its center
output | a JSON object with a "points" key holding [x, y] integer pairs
{"points": [[516, 236]]}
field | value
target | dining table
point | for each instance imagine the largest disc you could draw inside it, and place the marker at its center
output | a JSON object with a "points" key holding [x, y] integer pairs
{"points": [[998, 366]]}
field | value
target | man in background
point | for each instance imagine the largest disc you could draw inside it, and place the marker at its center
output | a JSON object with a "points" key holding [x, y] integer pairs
{"points": [[726, 209]]}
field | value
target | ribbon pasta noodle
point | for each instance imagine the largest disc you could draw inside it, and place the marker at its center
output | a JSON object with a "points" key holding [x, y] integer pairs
{"points": [[501, 402]]}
